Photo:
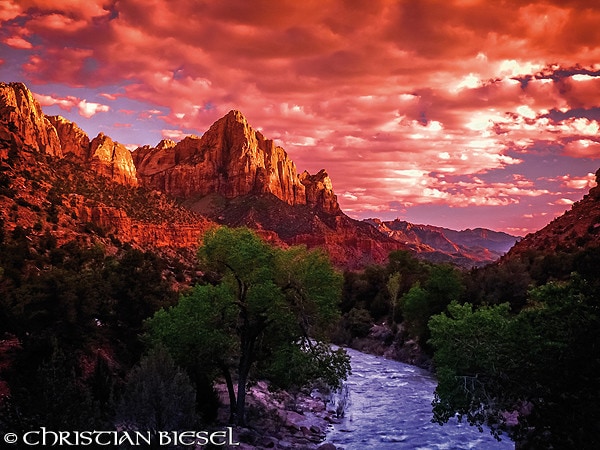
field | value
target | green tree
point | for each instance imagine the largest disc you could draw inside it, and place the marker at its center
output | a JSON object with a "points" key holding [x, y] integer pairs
{"points": [[393, 286], [534, 375], [443, 286], [158, 396], [266, 304]]}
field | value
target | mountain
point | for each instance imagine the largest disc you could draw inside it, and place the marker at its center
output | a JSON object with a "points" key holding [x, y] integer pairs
{"points": [[231, 159], [24, 126], [466, 248], [57, 184], [59, 181], [164, 197], [236, 177], [575, 230]]}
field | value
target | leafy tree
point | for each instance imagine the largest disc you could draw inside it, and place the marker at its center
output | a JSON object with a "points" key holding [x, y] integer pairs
{"points": [[267, 304], [393, 287], [158, 396], [534, 375], [415, 310], [200, 333], [443, 286]]}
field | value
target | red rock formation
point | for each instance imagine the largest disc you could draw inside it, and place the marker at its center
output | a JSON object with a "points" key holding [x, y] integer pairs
{"points": [[319, 191], [23, 125], [72, 138], [250, 179], [112, 160], [22, 122], [144, 234], [231, 159]]}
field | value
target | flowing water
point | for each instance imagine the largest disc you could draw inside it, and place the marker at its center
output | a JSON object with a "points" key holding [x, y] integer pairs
{"points": [[389, 407]]}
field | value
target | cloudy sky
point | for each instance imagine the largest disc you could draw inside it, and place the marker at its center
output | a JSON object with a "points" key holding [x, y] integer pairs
{"points": [[459, 113]]}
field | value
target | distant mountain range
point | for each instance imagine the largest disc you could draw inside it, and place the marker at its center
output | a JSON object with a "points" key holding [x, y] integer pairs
{"points": [[165, 197], [465, 248]]}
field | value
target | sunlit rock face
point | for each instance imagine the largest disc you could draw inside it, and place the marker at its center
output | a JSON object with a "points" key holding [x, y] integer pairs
{"points": [[112, 160], [233, 160], [319, 191], [22, 122], [73, 139], [23, 125]]}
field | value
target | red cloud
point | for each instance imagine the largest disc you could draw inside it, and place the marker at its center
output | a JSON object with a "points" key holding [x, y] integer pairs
{"points": [[385, 95], [84, 108]]}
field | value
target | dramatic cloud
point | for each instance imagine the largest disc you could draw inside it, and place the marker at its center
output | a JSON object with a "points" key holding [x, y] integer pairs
{"points": [[449, 105], [85, 109]]}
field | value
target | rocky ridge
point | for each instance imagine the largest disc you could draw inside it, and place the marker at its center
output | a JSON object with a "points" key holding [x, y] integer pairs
{"points": [[231, 175], [578, 228], [231, 163], [231, 159], [24, 126], [466, 248]]}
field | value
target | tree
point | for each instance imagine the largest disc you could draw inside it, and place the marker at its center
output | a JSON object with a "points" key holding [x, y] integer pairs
{"points": [[265, 303], [393, 287], [158, 397], [442, 287], [534, 375]]}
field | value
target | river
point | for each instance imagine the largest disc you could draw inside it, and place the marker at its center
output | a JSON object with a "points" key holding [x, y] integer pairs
{"points": [[389, 407]]}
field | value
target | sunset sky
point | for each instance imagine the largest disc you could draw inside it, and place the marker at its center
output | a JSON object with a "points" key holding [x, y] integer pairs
{"points": [[459, 113]]}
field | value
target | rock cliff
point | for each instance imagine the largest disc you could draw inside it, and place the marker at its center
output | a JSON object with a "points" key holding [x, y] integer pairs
{"points": [[73, 140], [22, 122], [232, 175], [231, 159], [24, 126]]}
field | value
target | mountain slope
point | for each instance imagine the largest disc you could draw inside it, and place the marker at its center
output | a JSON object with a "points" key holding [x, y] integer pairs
{"points": [[55, 181], [236, 177], [577, 229], [466, 248]]}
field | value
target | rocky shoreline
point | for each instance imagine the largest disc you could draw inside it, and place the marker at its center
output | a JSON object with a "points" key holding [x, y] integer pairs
{"points": [[281, 420], [382, 340]]}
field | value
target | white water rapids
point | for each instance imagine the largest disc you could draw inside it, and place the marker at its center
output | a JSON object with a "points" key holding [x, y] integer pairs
{"points": [[389, 407]]}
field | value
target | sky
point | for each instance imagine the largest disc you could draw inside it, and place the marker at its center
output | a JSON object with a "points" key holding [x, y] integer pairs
{"points": [[456, 113]]}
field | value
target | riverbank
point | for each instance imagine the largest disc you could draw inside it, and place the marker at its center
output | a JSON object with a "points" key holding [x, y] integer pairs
{"points": [[382, 340], [281, 420]]}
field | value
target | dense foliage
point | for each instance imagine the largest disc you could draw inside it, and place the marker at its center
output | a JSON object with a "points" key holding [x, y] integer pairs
{"points": [[266, 310], [70, 318], [531, 371], [407, 292]]}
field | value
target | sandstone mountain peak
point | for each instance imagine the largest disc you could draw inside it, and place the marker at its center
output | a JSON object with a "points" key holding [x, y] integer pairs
{"points": [[23, 125], [231, 159], [22, 122]]}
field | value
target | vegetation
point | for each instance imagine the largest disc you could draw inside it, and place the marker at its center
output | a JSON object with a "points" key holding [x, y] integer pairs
{"points": [[158, 396], [267, 309], [515, 344], [407, 292], [70, 317], [531, 372]]}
